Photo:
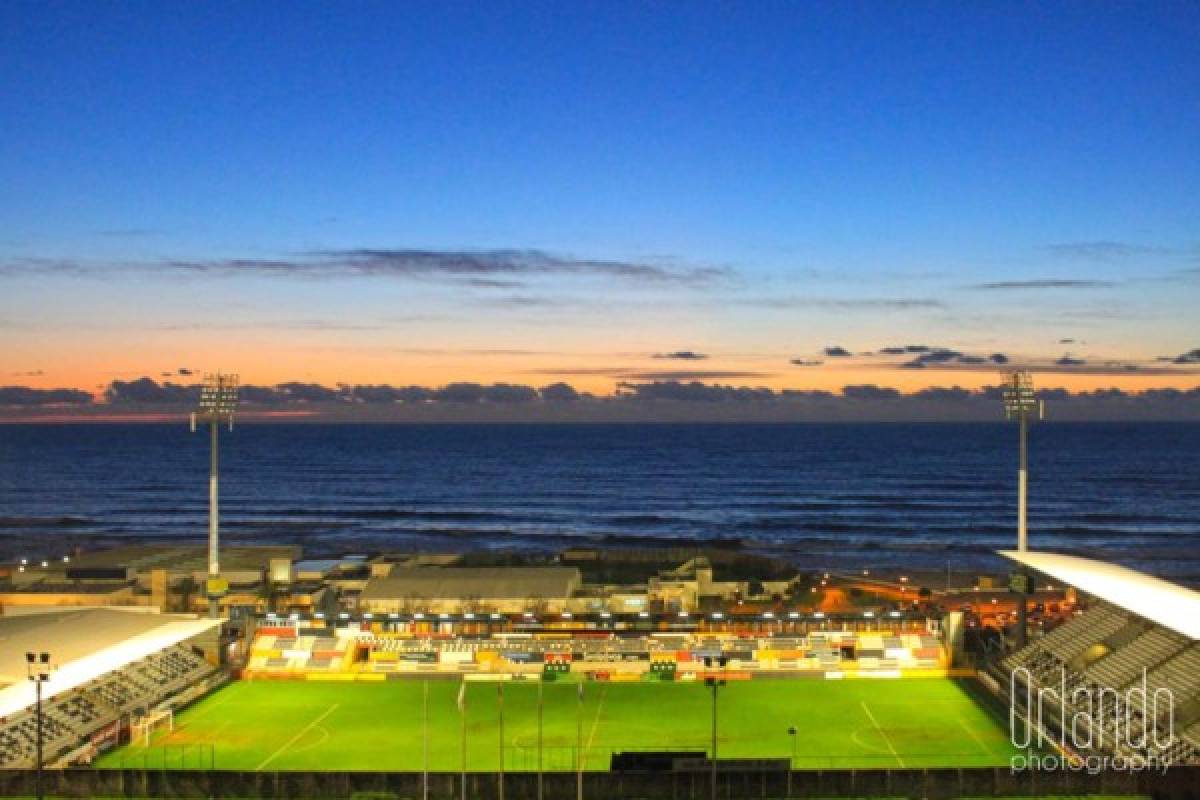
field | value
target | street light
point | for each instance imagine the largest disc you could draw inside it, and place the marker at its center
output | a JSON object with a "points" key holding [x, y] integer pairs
{"points": [[1021, 404], [218, 399], [714, 683], [37, 667]]}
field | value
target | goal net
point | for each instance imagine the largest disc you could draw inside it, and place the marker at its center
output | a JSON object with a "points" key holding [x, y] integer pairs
{"points": [[143, 728]]}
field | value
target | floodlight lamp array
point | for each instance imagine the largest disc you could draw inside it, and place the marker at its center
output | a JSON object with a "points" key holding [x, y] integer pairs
{"points": [[1019, 397], [219, 395]]}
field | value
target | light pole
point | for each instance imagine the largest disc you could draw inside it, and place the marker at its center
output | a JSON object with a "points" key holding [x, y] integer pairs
{"points": [[37, 667], [792, 764], [218, 399], [1021, 404], [714, 682]]}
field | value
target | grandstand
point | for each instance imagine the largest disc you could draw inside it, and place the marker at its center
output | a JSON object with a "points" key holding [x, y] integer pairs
{"points": [[306, 648], [111, 666], [1135, 628]]}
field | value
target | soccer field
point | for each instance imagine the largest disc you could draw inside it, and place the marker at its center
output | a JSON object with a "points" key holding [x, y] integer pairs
{"points": [[265, 725]]}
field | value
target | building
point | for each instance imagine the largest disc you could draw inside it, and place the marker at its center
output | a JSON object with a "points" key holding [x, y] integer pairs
{"points": [[456, 589]]}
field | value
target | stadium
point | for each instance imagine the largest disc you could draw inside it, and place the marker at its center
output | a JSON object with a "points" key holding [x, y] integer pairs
{"points": [[544, 703]]}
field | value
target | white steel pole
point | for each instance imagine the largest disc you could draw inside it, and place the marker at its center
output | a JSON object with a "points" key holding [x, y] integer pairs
{"points": [[214, 567]]}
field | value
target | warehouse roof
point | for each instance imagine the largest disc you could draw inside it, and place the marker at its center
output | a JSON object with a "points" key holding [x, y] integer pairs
{"points": [[442, 582]]}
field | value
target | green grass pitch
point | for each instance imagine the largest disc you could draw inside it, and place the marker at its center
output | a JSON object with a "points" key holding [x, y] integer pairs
{"points": [[265, 725]]}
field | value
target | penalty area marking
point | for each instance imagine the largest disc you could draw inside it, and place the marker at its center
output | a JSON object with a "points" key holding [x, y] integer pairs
{"points": [[886, 740], [296, 738]]}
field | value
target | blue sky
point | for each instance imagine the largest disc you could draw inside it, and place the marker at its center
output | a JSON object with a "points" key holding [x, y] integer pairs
{"points": [[824, 160]]}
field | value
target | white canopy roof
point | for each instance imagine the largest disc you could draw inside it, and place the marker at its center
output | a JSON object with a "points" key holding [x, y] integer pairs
{"points": [[1168, 604], [84, 645]]}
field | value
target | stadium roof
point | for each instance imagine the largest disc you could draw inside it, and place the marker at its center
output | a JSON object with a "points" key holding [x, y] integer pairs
{"points": [[83, 644], [420, 583], [1168, 604]]}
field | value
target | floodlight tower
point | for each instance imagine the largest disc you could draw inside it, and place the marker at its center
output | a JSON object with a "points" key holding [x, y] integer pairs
{"points": [[218, 399], [1021, 404], [38, 668]]}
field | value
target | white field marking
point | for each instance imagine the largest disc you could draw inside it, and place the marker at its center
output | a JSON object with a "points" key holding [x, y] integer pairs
{"points": [[296, 738], [970, 732], [595, 724], [886, 740]]}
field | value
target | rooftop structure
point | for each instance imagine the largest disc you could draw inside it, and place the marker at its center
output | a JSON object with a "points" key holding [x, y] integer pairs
{"points": [[85, 644], [1162, 602], [436, 588]]}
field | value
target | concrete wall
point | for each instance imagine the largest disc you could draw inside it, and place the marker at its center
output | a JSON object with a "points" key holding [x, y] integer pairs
{"points": [[1178, 783]]}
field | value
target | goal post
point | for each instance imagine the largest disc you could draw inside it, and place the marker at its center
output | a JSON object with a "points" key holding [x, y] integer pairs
{"points": [[143, 728]]}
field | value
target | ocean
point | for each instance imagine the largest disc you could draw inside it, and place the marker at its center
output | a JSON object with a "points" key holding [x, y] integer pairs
{"points": [[932, 496]]}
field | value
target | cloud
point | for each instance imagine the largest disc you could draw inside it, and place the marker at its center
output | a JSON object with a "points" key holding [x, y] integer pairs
{"points": [[26, 397], [801, 362], [844, 304], [869, 391], [682, 355], [33, 373], [129, 233], [1190, 357], [1045, 283], [184, 371], [145, 391], [1066, 341], [474, 265], [902, 349], [559, 393], [836, 351], [693, 392], [494, 268], [689, 375], [1104, 250], [1069, 361], [668, 400]]}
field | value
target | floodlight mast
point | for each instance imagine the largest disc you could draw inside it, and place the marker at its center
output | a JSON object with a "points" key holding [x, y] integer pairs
{"points": [[218, 400], [1021, 403]]}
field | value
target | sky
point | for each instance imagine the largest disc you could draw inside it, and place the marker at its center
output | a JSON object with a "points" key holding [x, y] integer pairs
{"points": [[792, 196]]}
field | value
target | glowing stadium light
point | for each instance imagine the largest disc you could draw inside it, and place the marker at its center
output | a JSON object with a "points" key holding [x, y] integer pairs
{"points": [[343, 615], [468, 615], [819, 614], [45, 564], [443, 615], [496, 616], [643, 614], [718, 615], [66, 559], [218, 400], [294, 617], [393, 615], [418, 615], [683, 615], [868, 614], [605, 614], [566, 615], [368, 615], [24, 561], [528, 615], [893, 613], [768, 615], [793, 615], [319, 615]]}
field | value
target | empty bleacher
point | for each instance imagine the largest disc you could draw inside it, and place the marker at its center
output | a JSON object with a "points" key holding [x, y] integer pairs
{"points": [[69, 718]]}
